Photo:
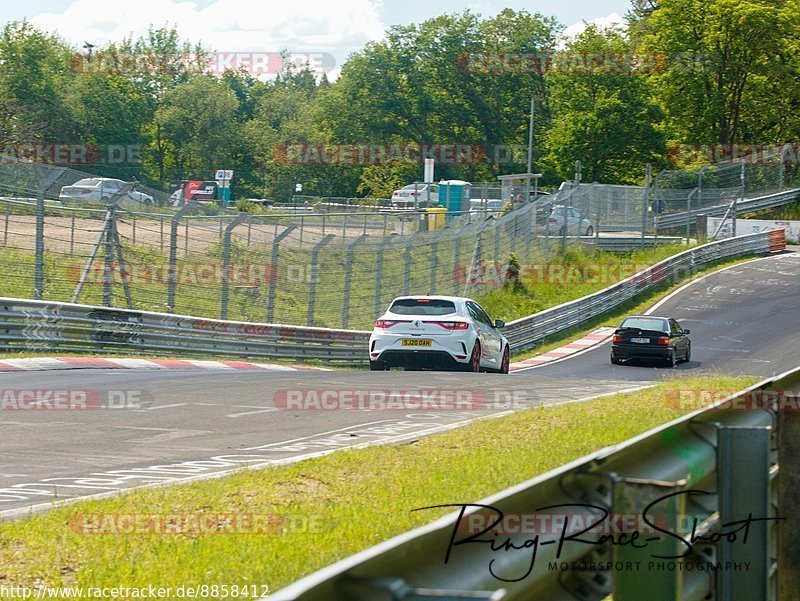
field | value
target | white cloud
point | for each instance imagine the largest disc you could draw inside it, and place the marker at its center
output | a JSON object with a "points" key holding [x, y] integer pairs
{"points": [[226, 25], [612, 20]]}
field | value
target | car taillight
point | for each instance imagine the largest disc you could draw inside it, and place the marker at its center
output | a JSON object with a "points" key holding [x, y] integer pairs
{"points": [[450, 325], [388, 323], [86, 191], [663, 341], [617, 338], [552, 220]]}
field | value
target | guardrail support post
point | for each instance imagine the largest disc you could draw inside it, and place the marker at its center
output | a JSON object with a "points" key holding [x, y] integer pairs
{"points": [[743, 485], [788, 574], [226, 264], [348, 275], [314, 276], [273, 271], [652, 579]]}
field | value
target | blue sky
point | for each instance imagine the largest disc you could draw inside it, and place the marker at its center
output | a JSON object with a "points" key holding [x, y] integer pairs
{"points": [[335, 27]]}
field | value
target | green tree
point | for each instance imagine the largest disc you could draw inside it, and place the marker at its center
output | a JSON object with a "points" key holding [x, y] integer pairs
{"points": [[723, 59], [603, 114]]}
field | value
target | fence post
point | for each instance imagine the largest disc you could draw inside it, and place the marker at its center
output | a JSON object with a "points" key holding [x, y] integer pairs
{"points": [[133, 231], [108, 263], [435, 260], [5, 229], [379, 273], [173, 254], [226, 264], [314, 272], [38, 277], [273, 270], [186, 238], [407, 262], [348, 273], [646, 201]]}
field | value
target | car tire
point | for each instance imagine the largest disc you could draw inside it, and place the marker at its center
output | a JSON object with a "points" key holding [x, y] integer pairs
{"points": [[505, 364], [561, 231], [615, 361], [672, 360], [474, 364], [589, 231], [378, 366], [688, 356]]}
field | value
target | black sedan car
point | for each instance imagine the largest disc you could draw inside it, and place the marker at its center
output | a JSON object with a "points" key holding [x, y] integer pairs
{"points": [[651, 338]]}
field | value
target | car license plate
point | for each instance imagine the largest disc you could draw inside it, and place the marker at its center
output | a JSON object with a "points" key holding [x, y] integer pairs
{"points": [[640, 340], [416, 342]]}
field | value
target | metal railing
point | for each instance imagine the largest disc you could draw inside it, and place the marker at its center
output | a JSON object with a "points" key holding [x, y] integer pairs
{"points": [[530, 331], [698, 478], [28, 325]]}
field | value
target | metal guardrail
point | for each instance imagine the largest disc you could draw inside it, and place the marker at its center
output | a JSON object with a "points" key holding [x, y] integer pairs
{"points": [[530, 331], [28, 325], [748, 205], [639, 497], [44, 326]]}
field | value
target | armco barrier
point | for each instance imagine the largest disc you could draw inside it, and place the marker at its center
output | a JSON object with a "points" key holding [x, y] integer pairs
{"points": [[27, 325], [697, 478], [529, 331]]}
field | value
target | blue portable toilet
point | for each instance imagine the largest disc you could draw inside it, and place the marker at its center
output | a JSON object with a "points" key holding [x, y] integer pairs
{"points": [[454, 195]]}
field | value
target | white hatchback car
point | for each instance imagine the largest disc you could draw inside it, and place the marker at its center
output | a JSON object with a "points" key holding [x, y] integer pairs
{"points": [[438, 332], [99, 188]]}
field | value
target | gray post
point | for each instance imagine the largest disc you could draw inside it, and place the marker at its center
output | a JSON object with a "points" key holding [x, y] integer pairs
{"points": [[379, 273], [173, 254], [788, 573], [186, 238], [435, 260], [456, 252], [38, 275], [496, 243], [646, 201], [161, 222], [314, 272], [108, 265], [133, 232], [273, 275], [5, 229], [348, 274], [226, 264], [407, 262], [735, 207], [744, 451], [72, 236]]}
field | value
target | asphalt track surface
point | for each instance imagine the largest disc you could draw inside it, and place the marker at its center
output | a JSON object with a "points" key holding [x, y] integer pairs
{"points": [[179, 425]]}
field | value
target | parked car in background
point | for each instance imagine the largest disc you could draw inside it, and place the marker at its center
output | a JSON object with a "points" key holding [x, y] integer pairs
{"points": [[571, 218], [415, 195], [99, 189], [649, 337], [438, 332]]}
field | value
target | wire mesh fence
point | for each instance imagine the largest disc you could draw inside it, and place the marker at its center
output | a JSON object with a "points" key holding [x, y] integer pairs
{"points": [[333, 270]]}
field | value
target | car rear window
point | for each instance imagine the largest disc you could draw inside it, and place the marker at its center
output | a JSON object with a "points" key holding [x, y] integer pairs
{"points": [[87, 182], [646, 323], [423, 306]]}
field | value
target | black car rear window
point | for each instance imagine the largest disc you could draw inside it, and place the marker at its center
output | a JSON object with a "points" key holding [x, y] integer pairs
{"points": [[423, 306], [646, 323]]}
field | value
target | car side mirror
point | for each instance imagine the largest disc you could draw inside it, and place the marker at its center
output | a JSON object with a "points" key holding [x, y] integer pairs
{"points": [[499, 323], [686, 332]]}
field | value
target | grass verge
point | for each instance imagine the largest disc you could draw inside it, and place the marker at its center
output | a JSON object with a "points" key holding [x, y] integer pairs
{"points": [[329, 508]]}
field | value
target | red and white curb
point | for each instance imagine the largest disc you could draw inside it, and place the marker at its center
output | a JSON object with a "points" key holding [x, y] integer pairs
{"points": [[49, 363], [599, 336]]}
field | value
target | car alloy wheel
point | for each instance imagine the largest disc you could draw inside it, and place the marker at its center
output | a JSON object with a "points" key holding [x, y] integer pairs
{"points": [[506, 363], [474, 364], [672, 360], [589, 230], [688, 352]]}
